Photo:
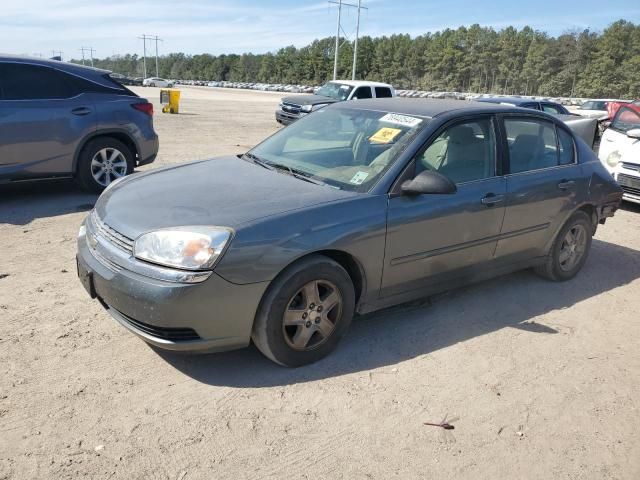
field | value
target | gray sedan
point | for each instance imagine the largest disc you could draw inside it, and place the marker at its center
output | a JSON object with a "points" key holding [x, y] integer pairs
{"points": [[356, 207]]}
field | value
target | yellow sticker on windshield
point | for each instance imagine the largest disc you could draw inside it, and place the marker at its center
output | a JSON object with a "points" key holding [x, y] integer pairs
{"points": [[385, 135]]}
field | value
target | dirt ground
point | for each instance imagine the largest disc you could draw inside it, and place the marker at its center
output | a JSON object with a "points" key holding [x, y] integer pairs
{"points": [[544, 377]]}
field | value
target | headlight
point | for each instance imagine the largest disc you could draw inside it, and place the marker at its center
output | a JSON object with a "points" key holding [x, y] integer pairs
{"points": [[82, 231], [312, 108], [613, 159], [191, 248]]}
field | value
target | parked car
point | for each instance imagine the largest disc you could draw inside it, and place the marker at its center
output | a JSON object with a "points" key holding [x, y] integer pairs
{"points": [[356, 207], [613, 107], [594, 109], [157, 82], [65, 120], [620, 151], [294, 107], [543, 105]]}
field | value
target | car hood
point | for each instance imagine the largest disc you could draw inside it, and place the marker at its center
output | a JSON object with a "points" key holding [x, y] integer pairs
{"points": [[308, 99], [225, 191]]}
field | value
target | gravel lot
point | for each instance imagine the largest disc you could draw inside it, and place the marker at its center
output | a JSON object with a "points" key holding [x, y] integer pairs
{"points": [[544, 377]]}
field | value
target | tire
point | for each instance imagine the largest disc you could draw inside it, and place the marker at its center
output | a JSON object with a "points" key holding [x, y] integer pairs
{"points": [[119, 166], [557, 266], [288, 329]]}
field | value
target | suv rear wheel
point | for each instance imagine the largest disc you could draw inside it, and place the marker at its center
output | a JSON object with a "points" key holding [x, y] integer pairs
{"points": [[102, 161]]}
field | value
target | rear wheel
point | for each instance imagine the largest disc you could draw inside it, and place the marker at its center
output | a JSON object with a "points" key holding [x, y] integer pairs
{"points": [[305, 312], [570, 249], [102, 161]]}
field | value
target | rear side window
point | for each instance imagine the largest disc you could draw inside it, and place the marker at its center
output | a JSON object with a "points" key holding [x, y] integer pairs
{"points": [[625, 120], [33, 82], [383, 92], [565, 143], [547, 107], [362, 92], [532, 144]]}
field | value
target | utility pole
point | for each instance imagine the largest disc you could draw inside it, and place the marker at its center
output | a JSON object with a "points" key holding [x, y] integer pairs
{"points": [[340, 3], [90, 50], [144, 54], [157, 39], [355, 44], [53, 54]]}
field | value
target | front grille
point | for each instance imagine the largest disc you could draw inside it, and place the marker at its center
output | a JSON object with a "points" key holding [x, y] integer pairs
{"points": [[291, 108], [165, 333], [111, 235], [629, 184], [631, 166]]}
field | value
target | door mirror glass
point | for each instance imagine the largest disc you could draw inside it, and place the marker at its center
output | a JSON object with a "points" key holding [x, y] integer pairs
{"points": [[634, 133], [428, 182]]}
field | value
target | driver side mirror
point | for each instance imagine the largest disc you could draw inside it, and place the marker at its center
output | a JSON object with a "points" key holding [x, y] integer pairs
{"points": [[634, 133], [429, 182]]}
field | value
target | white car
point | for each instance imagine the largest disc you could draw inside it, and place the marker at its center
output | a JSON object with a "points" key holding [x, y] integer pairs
{"points": [[620, 151], [157, 82], [593, 109]]}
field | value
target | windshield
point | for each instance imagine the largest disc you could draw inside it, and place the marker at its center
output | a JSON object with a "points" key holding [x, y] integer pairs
{"points": [[346, 148], [339, 91]]}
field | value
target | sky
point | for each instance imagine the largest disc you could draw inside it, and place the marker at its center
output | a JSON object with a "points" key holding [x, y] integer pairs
{"points": [[37, 27]]}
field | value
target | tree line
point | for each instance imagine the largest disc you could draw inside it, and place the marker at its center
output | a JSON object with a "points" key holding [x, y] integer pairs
{"points": [[468, 59]]}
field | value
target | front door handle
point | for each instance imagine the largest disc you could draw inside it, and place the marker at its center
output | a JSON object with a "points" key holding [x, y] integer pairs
{"points": [[81, 111], [490, 199], [566, 184]]}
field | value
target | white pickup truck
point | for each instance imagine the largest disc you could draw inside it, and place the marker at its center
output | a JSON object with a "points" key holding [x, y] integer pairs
{"points": [[296, 106]]}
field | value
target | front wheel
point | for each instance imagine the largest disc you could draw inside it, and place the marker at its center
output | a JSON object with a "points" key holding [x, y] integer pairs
{"points": [[305, 312], [570, 249]]}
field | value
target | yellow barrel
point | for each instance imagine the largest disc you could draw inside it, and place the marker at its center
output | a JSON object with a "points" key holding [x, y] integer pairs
{"points": [[170, 100]]}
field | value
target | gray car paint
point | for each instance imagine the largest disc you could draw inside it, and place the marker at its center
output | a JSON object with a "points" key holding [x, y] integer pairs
{"points": [[402, 247], [43, 138]]}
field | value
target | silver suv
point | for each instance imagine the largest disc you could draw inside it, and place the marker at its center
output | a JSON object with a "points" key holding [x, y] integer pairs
{"points": [[64, 120]]}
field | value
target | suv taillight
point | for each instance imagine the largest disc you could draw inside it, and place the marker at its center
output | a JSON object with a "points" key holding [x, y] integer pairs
{"points": [[144, 107]]}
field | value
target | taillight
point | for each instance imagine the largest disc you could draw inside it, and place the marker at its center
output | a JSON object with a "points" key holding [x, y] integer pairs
{"points": [[144, 107]]}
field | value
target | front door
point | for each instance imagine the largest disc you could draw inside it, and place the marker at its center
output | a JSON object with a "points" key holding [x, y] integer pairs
{"points": [[433, 237]]}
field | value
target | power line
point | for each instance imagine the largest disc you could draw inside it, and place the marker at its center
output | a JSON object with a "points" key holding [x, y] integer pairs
{"points": [[87, 49], [144, 39], [359, 6]]}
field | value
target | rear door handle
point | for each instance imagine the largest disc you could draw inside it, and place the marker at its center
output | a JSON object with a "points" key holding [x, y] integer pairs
{"points": [[81, 111], [566, 184], [491, 199]]}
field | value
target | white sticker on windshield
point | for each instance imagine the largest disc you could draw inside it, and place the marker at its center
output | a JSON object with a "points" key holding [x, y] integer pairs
{"points": [[398, 119], [358, 178]]}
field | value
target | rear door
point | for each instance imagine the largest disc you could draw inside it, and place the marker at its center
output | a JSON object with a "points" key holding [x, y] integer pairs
{"points": [[432, 238], [544, 185], [43, 115]]}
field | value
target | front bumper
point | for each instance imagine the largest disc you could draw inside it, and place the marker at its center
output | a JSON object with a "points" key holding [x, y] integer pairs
{"points": [[628, 177], [286, 118], [210, 316]]}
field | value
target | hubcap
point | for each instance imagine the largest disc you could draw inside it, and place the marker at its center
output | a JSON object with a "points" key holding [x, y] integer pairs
{"points": [[311, 315], [107, 165], [573, 247]]}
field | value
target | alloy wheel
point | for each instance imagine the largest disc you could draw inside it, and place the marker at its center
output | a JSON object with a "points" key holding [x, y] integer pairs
{"points": [[311, 315], [107, 165], [573, 247]]}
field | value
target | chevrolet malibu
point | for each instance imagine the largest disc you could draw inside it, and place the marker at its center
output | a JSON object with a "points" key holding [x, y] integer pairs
{"points": [[359, 206]]}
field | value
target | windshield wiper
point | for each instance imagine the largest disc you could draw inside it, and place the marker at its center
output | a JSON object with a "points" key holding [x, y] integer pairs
{"points": [[259, 161], [300, 174]]}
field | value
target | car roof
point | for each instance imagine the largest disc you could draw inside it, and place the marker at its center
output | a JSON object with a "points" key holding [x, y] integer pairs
{"points": [[357, 83], [428, 107], [511, 100]]}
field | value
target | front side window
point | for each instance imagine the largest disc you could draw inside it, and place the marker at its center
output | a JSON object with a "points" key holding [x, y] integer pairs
{"points": [[338, 91], [33, 82], [346, 148], [626, 119], [532, 144], [464, 152]]}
